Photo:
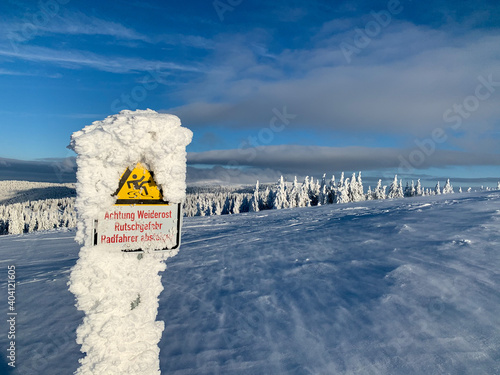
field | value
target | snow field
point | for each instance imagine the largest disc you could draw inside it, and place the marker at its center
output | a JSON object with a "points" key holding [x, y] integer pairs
{"points": [[376, 287], [401, 287]]}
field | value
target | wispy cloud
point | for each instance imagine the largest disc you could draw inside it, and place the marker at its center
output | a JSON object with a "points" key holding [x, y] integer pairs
{"points": [[80, 24], [185, 40], [7, 72], [74, 59], [75, 23]]}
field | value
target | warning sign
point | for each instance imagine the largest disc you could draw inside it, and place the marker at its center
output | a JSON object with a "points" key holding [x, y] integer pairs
{"points": [[138, 186], [140, 218]]}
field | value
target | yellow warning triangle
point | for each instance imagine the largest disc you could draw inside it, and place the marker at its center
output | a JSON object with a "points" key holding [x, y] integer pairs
{"points": [[138, 186]]}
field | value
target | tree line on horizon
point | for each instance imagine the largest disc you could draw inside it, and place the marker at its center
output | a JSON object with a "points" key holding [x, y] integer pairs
{"points": [[49, 214], [308, 193]]}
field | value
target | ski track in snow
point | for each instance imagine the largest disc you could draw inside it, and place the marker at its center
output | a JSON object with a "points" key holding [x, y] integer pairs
{"points": [[406, 286]]}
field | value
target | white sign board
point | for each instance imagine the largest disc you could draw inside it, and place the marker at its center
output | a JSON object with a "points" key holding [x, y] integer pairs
{"points": [[126, 225]]}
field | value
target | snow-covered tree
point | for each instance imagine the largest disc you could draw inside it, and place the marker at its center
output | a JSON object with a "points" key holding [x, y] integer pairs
{"points": [[226, 209], [418, 190], [323, 192], [379, 192], [280, 199], [400, 189], [355, 188], [332, 190], [200, 210], [341, 181], [396, 189], [342, 195], [448, 189], [314, 192], [369, 194], [264, 200], [216, 208], [244, 204], [254, 201], [437, 189], [410, 190], [237, 202], [293, 194], [303, 199], [16, 222]]}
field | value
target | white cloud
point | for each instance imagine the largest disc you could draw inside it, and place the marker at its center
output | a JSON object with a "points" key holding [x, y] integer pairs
{"points": [[401, 84]]}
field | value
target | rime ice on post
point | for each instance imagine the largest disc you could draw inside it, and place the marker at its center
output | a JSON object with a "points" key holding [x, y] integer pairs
{"points": [[130, 185], [108, 149]]}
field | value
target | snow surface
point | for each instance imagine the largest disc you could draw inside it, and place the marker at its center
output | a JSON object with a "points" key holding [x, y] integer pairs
{"points": [[408, 286]]}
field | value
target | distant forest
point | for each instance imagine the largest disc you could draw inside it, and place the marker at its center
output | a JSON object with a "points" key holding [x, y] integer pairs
{"points": [[45, 214]]}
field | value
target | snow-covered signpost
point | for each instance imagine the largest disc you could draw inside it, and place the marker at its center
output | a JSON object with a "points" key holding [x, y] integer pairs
{"points": [[130, 188]]}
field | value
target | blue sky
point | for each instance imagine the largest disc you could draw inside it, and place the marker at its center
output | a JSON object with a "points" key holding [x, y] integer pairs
{"points": [[302, 86]]}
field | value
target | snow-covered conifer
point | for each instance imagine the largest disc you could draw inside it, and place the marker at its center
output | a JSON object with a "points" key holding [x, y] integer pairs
{"points": [[343, 192], [303, 200], [394, 189], [332, 189], [237, 201], [410, 189], [418, 190], [313, 192], [280, 199], [448, 189], [226, 209], [244, 204], [323, 193], [254, 201], [16, 222], [264, 199], [293, 194], [369, 194], [356, 188], [437, 189], [216, 208], [379, 192], [400, 189]]}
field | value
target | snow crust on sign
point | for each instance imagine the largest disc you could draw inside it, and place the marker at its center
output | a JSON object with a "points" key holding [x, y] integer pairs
{"points": [[107, 148], [118, 292]]}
